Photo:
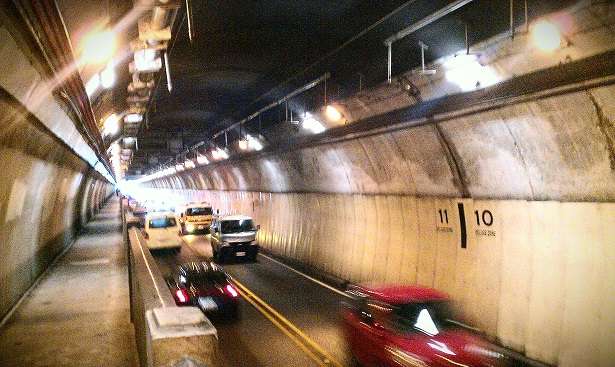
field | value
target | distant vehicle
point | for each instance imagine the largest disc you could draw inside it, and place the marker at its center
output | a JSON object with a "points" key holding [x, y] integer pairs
{"points": [[195, 217], [410, 326], [162, 231], [234, 236], [205, 285]]}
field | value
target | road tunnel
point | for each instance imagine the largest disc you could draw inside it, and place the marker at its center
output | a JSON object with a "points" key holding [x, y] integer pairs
{"points": [[457, 148]]}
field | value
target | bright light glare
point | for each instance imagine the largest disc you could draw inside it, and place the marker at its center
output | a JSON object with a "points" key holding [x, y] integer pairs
{"points": [[467, 72], [254, 143], [111, 125], [129, 140], [179, 167], [202, 159], [243, 144], [133, 118], [332, 113], [189, 163], [219, 153], [98, 47], [107, 77], [546, 36], [425, 323], [92, 85], [146, 60], [231, 290], [311, 124]]}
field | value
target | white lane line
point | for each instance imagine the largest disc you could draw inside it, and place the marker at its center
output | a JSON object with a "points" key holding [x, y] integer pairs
{"points": [[308, 277]]}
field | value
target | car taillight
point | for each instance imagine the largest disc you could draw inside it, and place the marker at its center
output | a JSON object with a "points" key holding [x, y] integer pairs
{"points": [[182, 295], [232, 291]]}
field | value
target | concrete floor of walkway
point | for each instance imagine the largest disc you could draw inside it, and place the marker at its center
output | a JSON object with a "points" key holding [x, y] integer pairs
{"points": [[79, 313]]}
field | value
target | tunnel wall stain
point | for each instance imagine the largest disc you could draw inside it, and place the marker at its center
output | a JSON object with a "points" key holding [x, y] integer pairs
{"points": [[46, 193]]}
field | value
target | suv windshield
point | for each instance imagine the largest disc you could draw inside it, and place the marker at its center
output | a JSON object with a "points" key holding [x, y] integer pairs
{"points": [[238, 225], [163, 222], [199, 211], [429, 317]]}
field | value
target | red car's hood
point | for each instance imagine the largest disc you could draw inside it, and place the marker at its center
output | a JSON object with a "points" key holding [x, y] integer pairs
{"points": [[452, 347]]}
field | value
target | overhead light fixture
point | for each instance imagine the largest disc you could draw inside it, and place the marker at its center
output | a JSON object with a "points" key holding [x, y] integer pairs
{"points": [[219, 153], [129, 140], [98, 47], [111, 126], [468, 73], [310, 123], [107, 76], [146, 60], [202, 159], [133, 118], [179, 167], [92, 85], [189, 163], [332, 113], [254, 143], [243, 144], [546, 36]]}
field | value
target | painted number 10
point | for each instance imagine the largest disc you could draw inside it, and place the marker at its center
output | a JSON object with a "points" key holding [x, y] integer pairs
{"points": [[485, 216]]}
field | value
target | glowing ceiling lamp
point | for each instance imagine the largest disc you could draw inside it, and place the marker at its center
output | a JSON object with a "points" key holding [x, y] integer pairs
{"points": [[98, 47], [332, 113], [111, 126], [467, 72], [107, 77], [146, 60], [92, 85], [179, 167], [243, 144], [133, 118], [189, 163], [202, 159], [546, 36], [311, 124], [254, 143], [219, 153]]}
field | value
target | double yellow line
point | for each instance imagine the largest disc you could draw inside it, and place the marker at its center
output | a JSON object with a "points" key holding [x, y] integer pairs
{"points": [[304, 342]]}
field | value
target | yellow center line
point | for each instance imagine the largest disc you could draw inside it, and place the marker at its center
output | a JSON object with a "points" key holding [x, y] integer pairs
{"points": [[315, 351]]}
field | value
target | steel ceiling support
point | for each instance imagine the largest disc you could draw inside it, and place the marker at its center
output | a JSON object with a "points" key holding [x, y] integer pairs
{"points": [[427, 20]]}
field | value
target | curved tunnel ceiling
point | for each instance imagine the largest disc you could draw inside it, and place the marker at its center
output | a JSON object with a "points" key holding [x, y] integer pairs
{"points": [[246, 54]]}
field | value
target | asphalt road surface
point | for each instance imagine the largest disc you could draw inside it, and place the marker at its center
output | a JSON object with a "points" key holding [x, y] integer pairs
{"points": [[286, 319]]}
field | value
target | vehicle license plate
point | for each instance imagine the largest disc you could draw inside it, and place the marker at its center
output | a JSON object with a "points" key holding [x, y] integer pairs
{"points": [[240, 253], [207, 304]]}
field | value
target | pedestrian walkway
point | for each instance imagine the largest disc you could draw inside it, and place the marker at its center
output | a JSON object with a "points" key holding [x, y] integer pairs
{"points": [[79, 314]]}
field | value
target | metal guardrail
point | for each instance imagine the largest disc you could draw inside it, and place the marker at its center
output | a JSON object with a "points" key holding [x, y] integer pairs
{"points": [[166, 335]]}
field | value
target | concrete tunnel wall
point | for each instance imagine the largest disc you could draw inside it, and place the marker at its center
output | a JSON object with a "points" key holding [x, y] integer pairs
{"points": [[535, 176], [46, 194], [47, 188]]}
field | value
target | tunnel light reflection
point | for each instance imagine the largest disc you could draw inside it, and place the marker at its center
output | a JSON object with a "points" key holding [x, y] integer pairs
{"points": [[179, 167], [111, 126], [146, 60], [243, 144], [98, 47], [310, 123], [189, 164], [107, 77], [546, 36], [133, 118], [467, 72], [92, 85], [202, 159], [219, 154], [332, 113]]}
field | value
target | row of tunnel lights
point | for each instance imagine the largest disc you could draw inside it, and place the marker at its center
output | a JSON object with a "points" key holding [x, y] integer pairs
{"points": [[545, 35], [246, 143]]}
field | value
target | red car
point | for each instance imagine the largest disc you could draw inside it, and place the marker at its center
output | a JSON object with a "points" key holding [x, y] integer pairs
{"points": [[410, 326], [207, 286]]}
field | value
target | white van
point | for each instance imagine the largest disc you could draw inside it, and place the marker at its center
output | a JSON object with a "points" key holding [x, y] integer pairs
{"points": [[162, 231]]}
